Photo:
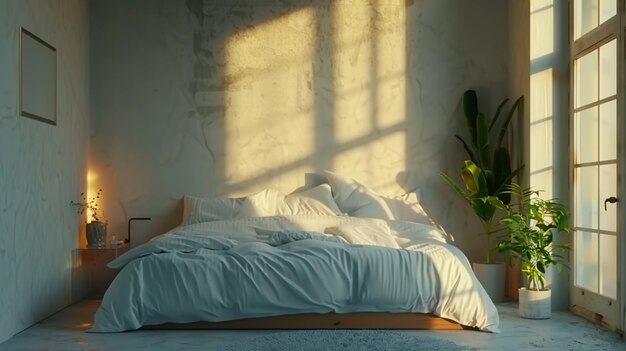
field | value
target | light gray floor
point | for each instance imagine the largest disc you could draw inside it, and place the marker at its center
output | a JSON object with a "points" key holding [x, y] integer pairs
{"points": [[66, 331]]}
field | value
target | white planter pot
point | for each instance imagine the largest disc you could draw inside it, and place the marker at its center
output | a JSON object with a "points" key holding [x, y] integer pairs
{"points": [[492, 277], [96, 234], [534, 304]]}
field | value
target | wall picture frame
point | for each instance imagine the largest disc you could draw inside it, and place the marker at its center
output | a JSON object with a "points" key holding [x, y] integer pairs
{"points": [[38, 78]]}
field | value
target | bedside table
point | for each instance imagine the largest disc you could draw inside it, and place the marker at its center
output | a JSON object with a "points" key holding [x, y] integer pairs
{"points": [[98, 275]]}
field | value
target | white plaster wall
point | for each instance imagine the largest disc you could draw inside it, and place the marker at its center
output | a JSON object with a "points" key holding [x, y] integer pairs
{"points": [[42, 167], [225, 98], [453, 46]]}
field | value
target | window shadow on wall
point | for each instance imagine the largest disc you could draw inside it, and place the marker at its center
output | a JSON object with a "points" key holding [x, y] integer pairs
{"points": [[297, 89]]}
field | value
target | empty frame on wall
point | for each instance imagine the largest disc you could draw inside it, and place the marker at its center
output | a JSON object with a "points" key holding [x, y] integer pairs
{"points": [[38, 78]]}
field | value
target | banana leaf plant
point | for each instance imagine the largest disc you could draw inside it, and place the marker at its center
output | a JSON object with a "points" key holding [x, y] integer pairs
{"points": [[488, 171], [485, 147], [476, 193], [533, 222]]}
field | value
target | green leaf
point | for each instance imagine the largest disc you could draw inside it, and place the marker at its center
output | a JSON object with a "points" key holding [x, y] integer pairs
{"points": [[497, 203], [516, 105], [541, 268], [476, 193], [502, 172], [483, 209], [497, 115], [453, 185], [470, 108], [470, 153], [474, 179], [506, 186], [482, 141], [491, 181]]}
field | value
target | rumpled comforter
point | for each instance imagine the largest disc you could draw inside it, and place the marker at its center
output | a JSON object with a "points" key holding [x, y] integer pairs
{"points": [[268, 266]]}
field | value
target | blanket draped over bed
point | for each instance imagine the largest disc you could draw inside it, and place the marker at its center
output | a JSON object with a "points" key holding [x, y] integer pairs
{"points": [[269, 266]]}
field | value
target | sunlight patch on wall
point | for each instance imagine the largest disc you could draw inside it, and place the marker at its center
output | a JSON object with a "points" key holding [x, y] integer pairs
{"points": [[390, 23], [381, 157], [92, 191], [317, 87], [370, 108], [354, 73], [269, 115]]}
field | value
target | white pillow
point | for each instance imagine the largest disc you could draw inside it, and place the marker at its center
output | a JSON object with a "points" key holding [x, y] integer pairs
{"points": [[356, 199], [207, 209], [271, 202], [317, 200], [365, 235], [407, 208], [264, 203]]}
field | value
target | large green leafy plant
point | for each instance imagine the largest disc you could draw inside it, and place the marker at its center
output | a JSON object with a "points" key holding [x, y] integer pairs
{"points": [[485, 147], [533, 222], [488, 171], [477, 195]]}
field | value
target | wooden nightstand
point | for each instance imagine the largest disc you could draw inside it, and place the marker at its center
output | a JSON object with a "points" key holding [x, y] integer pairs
{"points": [[98, 275]]}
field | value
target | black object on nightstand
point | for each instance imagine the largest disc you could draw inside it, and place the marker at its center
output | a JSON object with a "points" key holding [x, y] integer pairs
{"points": [[135, 219]]}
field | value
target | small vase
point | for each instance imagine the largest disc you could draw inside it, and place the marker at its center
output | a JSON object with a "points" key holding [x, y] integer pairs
{"points": [[96, 234]]}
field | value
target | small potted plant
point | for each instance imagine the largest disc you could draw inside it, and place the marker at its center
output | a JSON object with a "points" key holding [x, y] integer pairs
{"points": [[533, 222], [96, 228]]}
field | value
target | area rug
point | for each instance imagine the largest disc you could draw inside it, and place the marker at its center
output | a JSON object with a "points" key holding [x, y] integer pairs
{"points": [[342, 340]]}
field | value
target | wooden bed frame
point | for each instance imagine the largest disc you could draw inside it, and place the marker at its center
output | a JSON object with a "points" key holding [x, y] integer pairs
{"points": [[365, 320]]}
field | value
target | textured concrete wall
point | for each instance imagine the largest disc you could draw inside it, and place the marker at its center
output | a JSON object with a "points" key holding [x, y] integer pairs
{"points": [[228, 97], [42, 167]]}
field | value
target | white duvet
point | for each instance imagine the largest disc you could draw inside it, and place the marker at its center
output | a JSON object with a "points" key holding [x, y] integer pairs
{"points": [[258, 267]]}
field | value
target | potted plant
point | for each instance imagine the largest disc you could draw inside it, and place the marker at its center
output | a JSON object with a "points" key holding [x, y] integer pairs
{"points": [[533, 223], [490, 274], [96, 229], [486, 175]]}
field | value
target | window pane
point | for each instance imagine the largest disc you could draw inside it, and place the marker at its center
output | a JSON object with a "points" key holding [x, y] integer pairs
{"points": [[608, 265], [542, 180], [585, 16], [587, 197], [587, 260], [587, 135], [587, 79], [541, 147], [608, 9], [608, 131], [541, 95], [542, 31], [608, 188], [608, 69]]}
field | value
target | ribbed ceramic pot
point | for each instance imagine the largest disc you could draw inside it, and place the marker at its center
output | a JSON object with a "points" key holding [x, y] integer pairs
{"points": [[534, 304], [96, 234]]}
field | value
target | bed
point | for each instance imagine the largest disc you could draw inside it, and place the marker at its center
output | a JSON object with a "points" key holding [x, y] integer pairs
{"points": [[273, 261]]}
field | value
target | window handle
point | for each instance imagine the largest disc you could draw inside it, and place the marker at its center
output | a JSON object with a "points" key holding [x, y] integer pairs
{"points": [[611, 199]]}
